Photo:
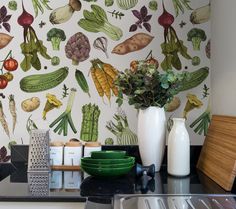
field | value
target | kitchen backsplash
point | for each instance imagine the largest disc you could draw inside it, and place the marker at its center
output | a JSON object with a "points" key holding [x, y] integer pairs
{"points": [[68, 54]]}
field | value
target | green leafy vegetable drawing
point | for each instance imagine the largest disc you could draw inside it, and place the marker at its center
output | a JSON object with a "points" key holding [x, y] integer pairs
{"points": [[96, 21]]}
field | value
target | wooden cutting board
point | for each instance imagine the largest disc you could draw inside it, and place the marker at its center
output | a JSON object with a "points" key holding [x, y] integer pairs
{"points": [[218, 155]]}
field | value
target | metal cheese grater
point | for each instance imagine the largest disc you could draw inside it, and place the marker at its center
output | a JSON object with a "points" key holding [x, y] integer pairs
{"points": [[38, 183], [39, 151], [38, 163]]}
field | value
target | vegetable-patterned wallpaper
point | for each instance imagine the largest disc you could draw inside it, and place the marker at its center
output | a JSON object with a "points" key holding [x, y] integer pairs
{"points": [[59, 60]]}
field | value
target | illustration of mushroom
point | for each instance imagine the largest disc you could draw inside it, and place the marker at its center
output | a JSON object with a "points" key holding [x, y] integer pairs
{"points": [[52, 102], [192, 103]]}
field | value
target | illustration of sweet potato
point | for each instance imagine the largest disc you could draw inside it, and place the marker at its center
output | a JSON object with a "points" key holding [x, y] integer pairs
{"points": [[134, 43]]}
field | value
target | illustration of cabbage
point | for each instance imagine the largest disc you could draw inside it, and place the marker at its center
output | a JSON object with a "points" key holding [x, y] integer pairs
{"points": [[126, 4]]}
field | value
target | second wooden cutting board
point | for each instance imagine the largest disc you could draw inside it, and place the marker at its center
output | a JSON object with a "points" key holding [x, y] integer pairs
{"points": [[218, 155]]}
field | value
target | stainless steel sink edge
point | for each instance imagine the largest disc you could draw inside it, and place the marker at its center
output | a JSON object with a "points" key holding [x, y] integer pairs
{"points": [[121, 198]]}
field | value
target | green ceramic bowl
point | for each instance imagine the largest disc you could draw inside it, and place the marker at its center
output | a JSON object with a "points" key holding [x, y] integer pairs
{"points": [[126, 159], [106, 172], [109, 154], [119, 165]]}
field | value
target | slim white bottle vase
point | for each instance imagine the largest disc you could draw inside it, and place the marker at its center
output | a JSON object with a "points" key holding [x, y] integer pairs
{"points": [[178, 158]]}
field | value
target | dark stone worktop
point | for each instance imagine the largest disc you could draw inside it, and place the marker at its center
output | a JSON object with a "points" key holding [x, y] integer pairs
{"points": [[14, 187], [76, 186]]}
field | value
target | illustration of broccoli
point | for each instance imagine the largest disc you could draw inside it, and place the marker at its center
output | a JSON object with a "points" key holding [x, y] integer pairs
{"points": [[56, 35], [196, 36]]}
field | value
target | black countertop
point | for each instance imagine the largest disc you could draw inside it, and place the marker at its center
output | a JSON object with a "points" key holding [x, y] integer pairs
{"points": [[16, 185], [68, 186]]}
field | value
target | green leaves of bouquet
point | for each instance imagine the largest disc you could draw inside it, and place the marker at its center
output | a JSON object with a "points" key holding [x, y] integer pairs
{"points": [[146, 86]]}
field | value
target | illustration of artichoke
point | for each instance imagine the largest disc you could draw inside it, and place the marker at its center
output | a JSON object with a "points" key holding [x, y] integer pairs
{"points": [[77, 48]]}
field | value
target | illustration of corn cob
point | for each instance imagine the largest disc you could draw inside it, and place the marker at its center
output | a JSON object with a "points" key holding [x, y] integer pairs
{"points": [[89, 128]]}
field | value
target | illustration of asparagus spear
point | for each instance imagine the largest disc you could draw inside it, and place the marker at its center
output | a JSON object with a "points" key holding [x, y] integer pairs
{"points": [[89, 128], [96, 113]]}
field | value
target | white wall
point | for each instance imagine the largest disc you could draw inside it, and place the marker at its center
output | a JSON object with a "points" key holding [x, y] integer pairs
{"points": [[120, 62], [223, 58]]}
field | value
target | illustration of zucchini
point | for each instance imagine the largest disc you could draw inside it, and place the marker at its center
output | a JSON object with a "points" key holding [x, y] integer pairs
{"points": [[82, 81], [194, 79], [42, 82], [89, 128]]}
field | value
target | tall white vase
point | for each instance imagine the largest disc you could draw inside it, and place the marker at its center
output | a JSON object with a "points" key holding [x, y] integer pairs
{"points": [[178, 156], [151, 135]]}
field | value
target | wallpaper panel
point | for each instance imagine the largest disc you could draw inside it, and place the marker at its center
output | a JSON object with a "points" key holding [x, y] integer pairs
{"points": [[50, 51]]}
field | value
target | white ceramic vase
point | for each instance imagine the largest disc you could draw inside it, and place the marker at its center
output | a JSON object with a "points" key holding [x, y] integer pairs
{"points": [[151, 135], [178, 156]]}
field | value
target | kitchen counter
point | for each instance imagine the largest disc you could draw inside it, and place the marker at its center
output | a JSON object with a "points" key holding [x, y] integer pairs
{"points": [[80, 189], [16, 185]]}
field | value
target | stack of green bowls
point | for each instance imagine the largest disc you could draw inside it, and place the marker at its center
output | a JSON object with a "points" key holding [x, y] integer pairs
{"points": [[107, 163]]}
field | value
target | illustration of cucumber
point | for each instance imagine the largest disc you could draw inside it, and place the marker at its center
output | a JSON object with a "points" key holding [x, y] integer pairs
{"points": [[42, 82]]}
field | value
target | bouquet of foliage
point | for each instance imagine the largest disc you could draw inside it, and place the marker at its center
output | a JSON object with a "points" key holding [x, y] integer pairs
{"points": [[145, 86]]}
